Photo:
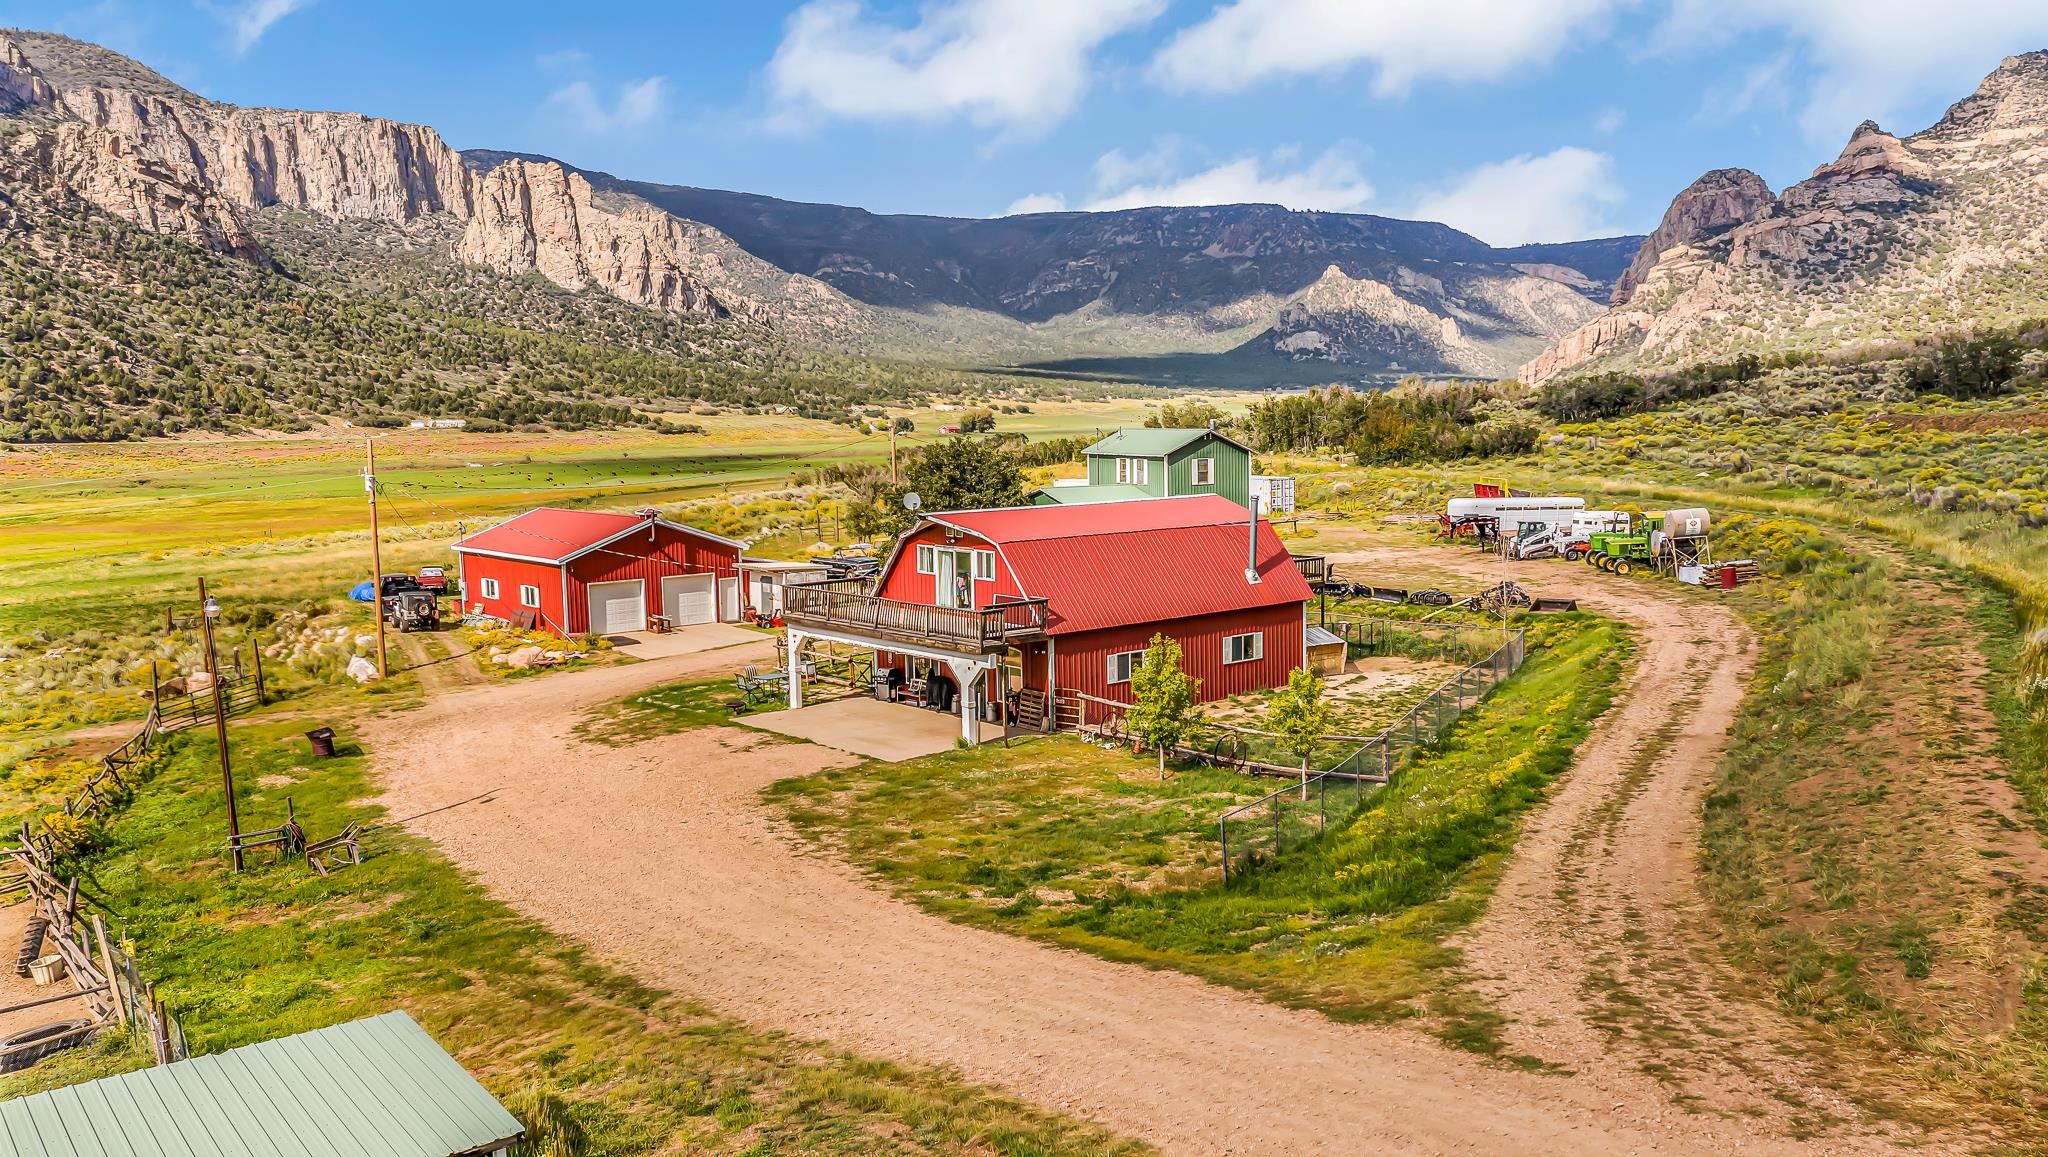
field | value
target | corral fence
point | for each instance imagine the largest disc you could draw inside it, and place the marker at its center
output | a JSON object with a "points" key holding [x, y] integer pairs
{"points": [[240, 689], [1258, 831], [100, 971]]}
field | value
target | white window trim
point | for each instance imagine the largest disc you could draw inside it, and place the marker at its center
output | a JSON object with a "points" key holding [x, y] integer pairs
{"points": [[1123, 471], [524, 601], [489, 587], [1258, 647], [1141, 471], [927, 558], [1204, 472], [984, 566], [1137, 658]]}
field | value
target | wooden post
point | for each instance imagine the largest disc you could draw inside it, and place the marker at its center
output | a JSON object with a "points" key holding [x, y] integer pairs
{"points": [[220, 732], [99, 929], [256, 657]]}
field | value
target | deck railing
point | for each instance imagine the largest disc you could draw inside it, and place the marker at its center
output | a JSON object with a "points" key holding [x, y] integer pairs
{"points": [[836, 607]]}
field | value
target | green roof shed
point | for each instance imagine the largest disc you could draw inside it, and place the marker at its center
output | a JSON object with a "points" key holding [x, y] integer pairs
{"points": [[378, 1087]]}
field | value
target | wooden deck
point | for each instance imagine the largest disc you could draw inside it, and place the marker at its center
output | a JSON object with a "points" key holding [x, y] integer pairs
{"points": [[963, 630]]}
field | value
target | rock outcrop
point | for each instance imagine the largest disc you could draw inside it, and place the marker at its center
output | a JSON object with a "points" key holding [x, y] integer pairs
{"points": [[1711, 205], [21, 86], [1895, 236], [1459, 323]]}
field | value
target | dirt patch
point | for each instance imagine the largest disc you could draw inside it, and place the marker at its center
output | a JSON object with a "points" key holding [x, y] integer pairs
{"points": [[661, 856], [19, 989]]}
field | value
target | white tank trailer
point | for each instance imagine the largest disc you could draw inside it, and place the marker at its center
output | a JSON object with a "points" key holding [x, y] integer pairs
{"points": [[1508, 521]]}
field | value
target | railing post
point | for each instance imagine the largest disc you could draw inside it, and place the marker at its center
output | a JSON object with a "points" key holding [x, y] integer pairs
{"points": [[1223, 840]]}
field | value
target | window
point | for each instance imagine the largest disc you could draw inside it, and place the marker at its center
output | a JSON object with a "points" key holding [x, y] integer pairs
{"points": [[490, 588], [1123, 663], [529, 596], [1244, 648], [1133, 471], [1123, 471], [985, 566], [927, 560], [1205, 471]]}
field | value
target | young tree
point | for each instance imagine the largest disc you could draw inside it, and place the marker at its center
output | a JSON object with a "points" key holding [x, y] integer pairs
{"points": [[964, 474], [1165, 698], [1300, 717]]}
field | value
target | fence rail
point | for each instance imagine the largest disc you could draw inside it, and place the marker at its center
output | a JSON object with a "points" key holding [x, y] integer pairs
{"points": [[1258, 831], [101, 971]]}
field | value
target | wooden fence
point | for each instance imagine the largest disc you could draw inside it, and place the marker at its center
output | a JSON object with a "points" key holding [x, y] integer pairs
{"points": [[100, 971]]}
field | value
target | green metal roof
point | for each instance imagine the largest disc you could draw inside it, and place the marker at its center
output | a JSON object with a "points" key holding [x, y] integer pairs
{"points": [[378, 1087], [1109, 492], [1148, 442]]}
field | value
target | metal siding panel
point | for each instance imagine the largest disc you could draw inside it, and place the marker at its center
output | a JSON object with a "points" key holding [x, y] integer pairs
{"points": [[226, 1122], [1082, 659], [134, 1122], [14, 1131], [99, 1115], [393, 1078], [160, 1102], [340, 1097], [511, 575], [277, 1102], [471, 1107]]}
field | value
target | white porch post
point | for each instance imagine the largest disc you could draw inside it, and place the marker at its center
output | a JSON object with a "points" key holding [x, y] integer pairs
{"points": [[796, 669], [964, 676]]}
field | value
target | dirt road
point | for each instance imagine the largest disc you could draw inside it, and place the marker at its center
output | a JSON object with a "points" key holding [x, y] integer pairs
{"points": [[661, 856]]}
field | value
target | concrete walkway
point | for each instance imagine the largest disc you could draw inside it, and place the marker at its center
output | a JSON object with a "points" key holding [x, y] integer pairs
{"points": [[891, 732], [684, 640]]}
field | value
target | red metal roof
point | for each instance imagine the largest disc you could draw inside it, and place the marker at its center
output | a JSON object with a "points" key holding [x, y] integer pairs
{"points": [[550, 534], [1114, 564]]}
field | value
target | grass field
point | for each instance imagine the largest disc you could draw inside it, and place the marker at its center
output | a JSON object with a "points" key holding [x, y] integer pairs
{"points": [[1088, 849], [279, 950]]}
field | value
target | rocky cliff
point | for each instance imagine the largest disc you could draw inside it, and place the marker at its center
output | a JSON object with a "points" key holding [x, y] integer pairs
{"points": [[1353, 290], [145, 150], [1940, 230], [537, 216]]}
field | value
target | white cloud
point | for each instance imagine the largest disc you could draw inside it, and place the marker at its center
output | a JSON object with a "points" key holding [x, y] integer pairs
{"points": [[1609, 121], [251, 20], [1247, 41], [1869, 58], [1331, 182], [1560, 196], [564, 60], [1008, 63], [1764, 85], [1036, 203], [638, 104]]}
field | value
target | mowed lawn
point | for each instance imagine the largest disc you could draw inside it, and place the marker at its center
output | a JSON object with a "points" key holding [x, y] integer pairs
{"points": [[279, 950], [1088, 848]]}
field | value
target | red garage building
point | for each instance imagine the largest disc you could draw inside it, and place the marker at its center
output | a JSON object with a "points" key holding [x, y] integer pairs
{"points": [[1065, 599], [577, 572]]}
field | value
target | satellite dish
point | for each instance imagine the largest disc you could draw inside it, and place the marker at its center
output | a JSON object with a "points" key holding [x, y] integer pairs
{"points": [[911, 501]]}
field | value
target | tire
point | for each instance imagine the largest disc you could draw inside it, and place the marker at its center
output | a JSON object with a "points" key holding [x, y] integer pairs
{"points": [[1624, 567], [31, 944]]}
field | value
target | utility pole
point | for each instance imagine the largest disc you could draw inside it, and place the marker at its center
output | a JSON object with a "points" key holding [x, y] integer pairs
{"points": [[892, 451], [209, 610], [376, 551]]}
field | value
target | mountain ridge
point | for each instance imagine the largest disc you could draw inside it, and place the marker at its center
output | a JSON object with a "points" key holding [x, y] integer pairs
{"points": [[1198, 280], [1944, 229]]}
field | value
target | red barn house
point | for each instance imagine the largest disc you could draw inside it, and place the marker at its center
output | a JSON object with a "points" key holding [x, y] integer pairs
{"points": [[578, 572], [1044, 601]]}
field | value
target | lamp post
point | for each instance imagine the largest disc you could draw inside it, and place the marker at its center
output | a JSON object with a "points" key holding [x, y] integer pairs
{"points": [[209, 610]]}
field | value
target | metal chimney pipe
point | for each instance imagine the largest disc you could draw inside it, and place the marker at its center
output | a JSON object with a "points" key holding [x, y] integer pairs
{"points": [[1251, 543]]}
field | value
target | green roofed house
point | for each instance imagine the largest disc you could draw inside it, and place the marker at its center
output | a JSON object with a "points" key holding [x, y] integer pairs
{"points": [[1142, 462], [378, 1087]]}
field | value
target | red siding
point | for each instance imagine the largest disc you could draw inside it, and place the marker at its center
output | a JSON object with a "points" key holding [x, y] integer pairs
{"points": [[670, 552], [510, 575], [1083, 659], [905, 585]]}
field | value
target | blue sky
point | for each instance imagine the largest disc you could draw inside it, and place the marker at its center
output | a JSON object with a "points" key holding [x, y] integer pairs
{"points": [[1517, 120]]}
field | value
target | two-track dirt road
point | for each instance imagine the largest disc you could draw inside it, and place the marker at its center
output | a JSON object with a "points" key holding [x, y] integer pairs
{"points": [[698, 887]]}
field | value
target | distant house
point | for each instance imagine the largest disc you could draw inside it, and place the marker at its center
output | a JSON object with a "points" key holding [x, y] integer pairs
{"points": [[1067, 597], [577, 572], [369, 1088], [1141, 462]]}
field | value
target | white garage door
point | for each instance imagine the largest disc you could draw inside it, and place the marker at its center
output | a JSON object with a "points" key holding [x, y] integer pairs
{"points": [[691, 598], [616, 608]]}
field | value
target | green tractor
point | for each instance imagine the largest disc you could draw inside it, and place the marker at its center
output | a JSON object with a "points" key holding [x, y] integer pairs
{"points": [[1621, 552]]}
